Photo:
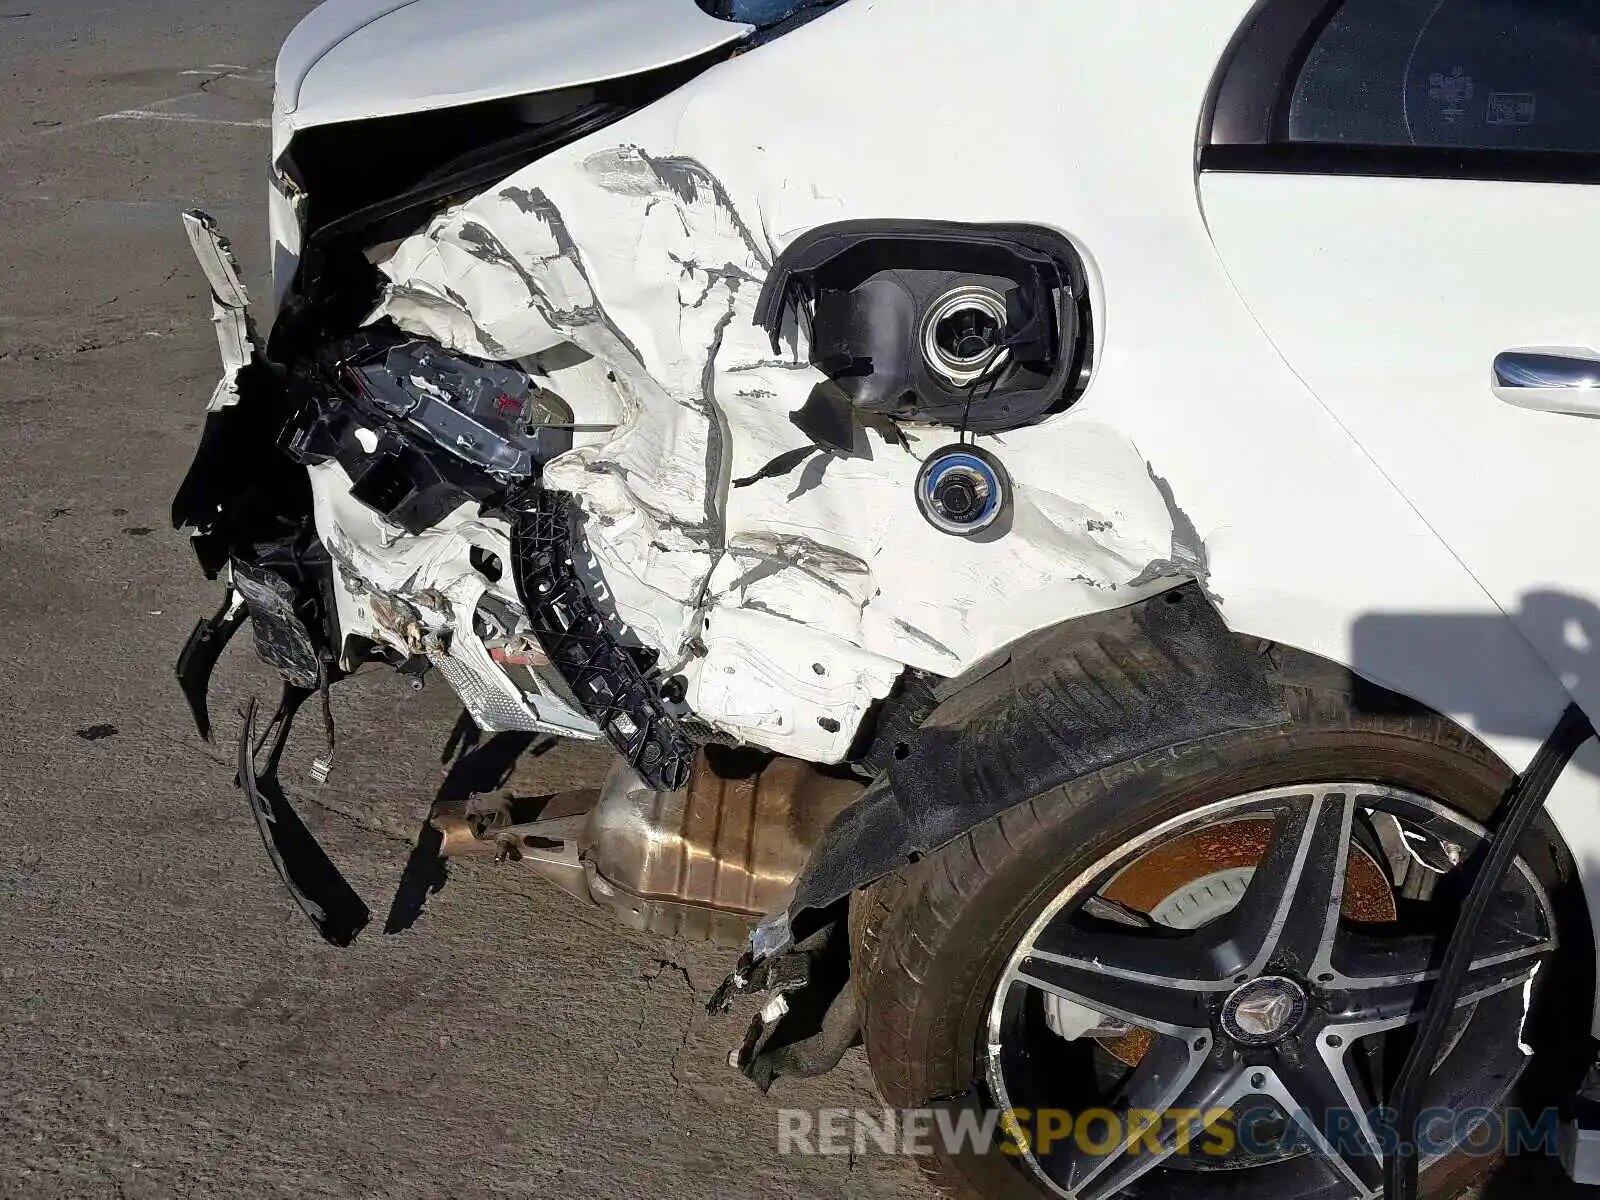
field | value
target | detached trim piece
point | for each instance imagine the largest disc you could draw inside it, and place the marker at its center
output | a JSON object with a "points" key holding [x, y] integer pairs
{"points": [[201, 653], [1063, 703], [317, 886], [1403, 162], [614, 684], [230, 303], [1517, 812]]}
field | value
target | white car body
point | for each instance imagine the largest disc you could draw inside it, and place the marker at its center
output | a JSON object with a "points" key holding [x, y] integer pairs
{"points": [[1291, 396]]}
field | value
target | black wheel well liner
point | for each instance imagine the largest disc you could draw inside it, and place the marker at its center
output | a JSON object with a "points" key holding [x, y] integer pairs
{"points": [[1059, 704]]}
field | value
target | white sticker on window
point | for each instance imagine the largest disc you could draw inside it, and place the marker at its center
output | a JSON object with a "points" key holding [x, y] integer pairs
{"points": [[1451, 92], [1511, 108]]}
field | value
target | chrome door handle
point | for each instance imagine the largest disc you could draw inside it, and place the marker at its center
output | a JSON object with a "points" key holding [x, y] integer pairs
{"points": [[1550, 380]]}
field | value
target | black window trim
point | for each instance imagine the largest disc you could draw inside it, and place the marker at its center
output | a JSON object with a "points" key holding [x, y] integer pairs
{"points": [[1244, 127]]}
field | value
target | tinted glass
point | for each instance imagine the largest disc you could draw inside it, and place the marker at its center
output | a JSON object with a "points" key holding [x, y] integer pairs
{"points": [[761, 13], [1479, 74]]}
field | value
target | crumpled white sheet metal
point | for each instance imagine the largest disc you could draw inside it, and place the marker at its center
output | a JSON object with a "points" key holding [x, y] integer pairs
{"points": [[419, 594], [810, 591], [230, 304]]}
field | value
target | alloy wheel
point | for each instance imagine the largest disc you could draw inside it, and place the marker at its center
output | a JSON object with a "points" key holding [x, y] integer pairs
{"points": [[1288, 1003]]}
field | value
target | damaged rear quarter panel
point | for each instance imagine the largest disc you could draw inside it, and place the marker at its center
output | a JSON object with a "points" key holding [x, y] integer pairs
{"points": [[646, 247]]}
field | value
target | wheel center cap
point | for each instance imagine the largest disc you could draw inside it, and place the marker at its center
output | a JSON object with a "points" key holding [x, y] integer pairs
{"points": [[1264, 1011]]}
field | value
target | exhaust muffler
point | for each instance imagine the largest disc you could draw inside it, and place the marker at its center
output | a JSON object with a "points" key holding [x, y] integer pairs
{"points": [[705, 862]]}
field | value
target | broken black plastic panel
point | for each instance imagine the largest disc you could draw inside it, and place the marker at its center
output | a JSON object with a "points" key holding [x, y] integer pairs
{"points": [[819, 1019], [981, 327], [617, 685], [238, 492], [283, 639], [248, 509], [485, 412], [418, 430], [200, 655], [316, 885]]}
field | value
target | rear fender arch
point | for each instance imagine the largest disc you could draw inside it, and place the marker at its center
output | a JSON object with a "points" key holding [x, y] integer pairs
{"points": [[1091, 692]]}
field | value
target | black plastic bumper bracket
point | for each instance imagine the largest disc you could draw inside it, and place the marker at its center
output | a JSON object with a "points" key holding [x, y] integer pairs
{"points": [[615, 684], [200, 654]]}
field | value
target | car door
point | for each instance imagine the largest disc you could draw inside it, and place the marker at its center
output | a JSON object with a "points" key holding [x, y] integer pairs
{"points": [[1406, 194]]}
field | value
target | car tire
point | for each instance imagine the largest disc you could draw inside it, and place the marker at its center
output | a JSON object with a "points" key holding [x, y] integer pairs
{"points": [[930, 943]]}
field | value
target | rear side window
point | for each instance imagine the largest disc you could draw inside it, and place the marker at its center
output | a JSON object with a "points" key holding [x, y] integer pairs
{"points": [[1449, 74]]}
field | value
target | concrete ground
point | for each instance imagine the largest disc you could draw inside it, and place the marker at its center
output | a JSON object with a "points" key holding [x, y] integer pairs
{"points": [[171, 1026]]}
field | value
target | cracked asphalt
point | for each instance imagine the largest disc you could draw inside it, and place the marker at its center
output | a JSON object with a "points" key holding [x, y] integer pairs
{"points": [[171, 1025]]}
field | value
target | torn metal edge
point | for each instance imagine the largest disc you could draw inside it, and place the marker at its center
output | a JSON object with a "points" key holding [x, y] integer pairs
{"points": [[230, 303]]}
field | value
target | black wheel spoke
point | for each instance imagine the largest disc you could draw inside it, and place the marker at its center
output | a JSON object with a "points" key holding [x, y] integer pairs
{"points": [[1327, 1100], [1152, 1001], [1174, 1076], [1394, 977], [1287, 918]]}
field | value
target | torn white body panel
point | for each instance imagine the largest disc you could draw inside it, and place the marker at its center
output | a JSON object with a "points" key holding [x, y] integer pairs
{"points": [[621, 272], [649, 264], [644, 246], [422, 596], [230, 304], [798, 690]]}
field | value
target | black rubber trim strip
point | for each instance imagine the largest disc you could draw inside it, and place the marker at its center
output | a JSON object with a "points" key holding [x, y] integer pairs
{"points": [[198, 658], [611, 684], [1404, 162], [1517, 812], [322, 893], [1250, 93]]}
